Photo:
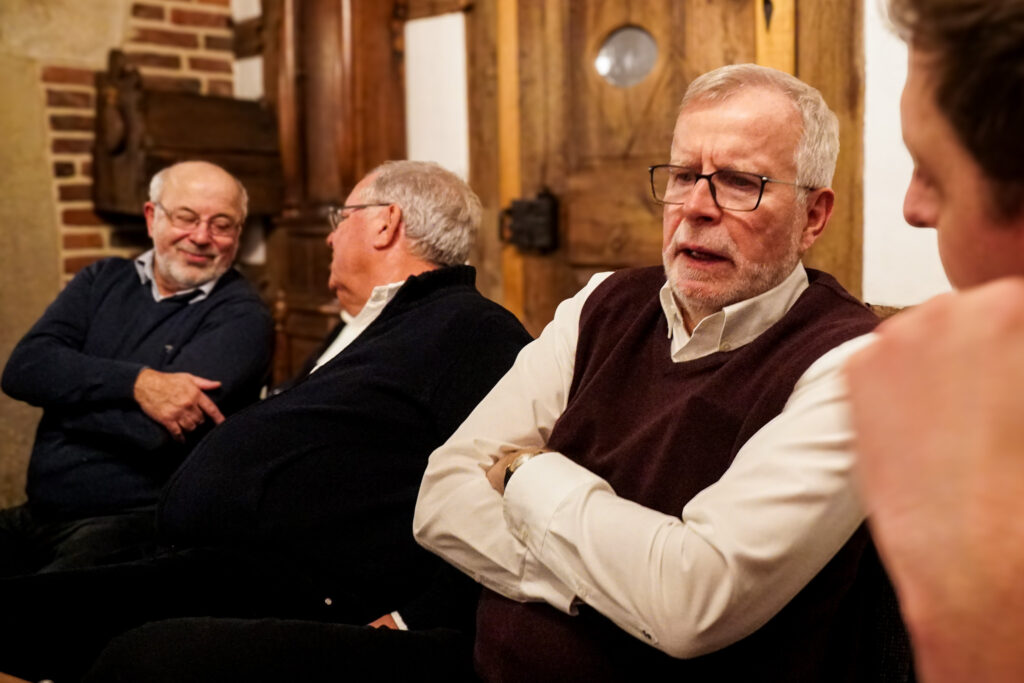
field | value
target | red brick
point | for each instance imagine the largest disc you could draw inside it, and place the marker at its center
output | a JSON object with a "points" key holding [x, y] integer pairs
{"points": [[86, 168], [185, 17], [66, 74], [207, 64], [141, 11], [67, 98], [83, 240], [73, 264], [71, 145], [63, 169], [170, 83], [80, 217], [72, 122], [70, 193], [162, 61], [224, 43], [159, 36], [219, 87]]}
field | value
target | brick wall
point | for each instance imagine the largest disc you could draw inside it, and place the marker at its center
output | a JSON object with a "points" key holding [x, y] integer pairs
{"points": [[182, 45]]}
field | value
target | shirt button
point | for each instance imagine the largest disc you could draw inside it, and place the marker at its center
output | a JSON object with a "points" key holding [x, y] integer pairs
{"points": [[726, 346]]}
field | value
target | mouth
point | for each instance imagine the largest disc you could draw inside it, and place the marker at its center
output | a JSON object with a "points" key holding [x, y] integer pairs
{"points": [[702, 255], [202, 260]]}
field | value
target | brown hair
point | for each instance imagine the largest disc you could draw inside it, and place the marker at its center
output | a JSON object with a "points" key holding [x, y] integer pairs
{"points": [[979, 51]]}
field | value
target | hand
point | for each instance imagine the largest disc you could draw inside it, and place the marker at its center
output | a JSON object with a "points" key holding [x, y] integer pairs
{"points": [[939, 416], [496, 473], [176, 400], [386, 621]]}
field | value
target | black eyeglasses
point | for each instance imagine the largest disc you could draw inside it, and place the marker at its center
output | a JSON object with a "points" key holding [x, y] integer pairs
{"points": [[187, 220], [731, 190], [336, 216]]}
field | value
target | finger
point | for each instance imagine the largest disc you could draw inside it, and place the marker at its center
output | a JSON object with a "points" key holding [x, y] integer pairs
{"points": [[175, 431], [210, 408], [202, 382]]}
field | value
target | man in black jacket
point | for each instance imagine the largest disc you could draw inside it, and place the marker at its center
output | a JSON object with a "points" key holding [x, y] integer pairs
{"points": [[300, 507], [130, 361]]}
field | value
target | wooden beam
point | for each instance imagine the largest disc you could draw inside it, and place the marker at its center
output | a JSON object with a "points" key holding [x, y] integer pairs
{"points": [[775, 34], [421, 9], [510, 184], [249, 38], [830, 56]]}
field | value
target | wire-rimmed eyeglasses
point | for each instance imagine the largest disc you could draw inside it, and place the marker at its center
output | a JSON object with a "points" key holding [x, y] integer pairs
{"points": [[187, 220], [731, 190], [337, 215]]}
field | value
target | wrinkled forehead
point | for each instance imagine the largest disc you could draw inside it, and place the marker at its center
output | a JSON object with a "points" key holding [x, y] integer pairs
{"points": [[750, 124]]}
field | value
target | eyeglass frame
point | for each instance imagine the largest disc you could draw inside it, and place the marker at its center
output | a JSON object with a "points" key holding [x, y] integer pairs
{"points": [[334, 212], [235, 224], [711, 185]]}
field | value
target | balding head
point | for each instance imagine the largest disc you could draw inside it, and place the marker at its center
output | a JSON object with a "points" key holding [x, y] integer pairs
{"points": [[194, 216]]}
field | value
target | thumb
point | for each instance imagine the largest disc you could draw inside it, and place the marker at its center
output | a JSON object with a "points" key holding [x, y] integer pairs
{"points": [[203, 383]]}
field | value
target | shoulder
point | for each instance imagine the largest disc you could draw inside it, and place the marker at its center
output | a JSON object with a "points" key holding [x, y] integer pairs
{"points": [[112, 267], [629, 284], [468, 312], [832, 301]]}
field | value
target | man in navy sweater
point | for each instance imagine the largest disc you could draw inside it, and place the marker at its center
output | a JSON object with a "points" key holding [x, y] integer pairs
{"points": [[300, 506], [130, 362]]}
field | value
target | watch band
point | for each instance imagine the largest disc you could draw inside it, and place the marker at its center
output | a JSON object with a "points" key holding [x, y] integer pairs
{"points": [[516, 463]]}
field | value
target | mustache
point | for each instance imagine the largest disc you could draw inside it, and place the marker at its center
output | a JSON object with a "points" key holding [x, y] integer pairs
{"points": [[686, 238]]}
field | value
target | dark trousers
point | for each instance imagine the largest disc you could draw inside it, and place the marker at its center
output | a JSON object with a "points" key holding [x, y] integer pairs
{"points": [[204, 650], [30, 543], [54, 625]]}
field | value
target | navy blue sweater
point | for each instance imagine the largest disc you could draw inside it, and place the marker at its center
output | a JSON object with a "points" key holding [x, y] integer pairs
{"points": [[95, 450], [326, 473]]}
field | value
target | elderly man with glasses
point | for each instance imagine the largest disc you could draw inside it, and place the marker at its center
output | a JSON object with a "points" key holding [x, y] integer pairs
{"points": [[660, 487], [132, 363], [300, 507]]}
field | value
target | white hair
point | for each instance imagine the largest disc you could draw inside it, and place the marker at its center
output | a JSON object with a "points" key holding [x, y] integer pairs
{"points": [[818, 148], [441, 212]]}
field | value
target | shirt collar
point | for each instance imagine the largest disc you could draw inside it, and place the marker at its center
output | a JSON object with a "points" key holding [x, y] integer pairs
{"points": [[144, 267], [736, 324], [380, 297]]}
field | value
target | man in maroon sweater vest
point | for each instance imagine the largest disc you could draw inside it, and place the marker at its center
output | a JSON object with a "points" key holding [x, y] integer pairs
{"points": [[937, 400], [661, 485]]}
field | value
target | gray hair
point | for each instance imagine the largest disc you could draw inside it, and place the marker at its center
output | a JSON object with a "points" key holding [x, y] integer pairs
{"points": [[156, 184], [819, 141], [441, 212]]}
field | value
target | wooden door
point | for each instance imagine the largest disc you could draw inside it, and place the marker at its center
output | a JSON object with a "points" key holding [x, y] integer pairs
{"points": [[563, 127]]}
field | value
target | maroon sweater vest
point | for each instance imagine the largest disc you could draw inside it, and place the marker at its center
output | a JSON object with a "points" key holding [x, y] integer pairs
{"points": [[688, 420]]}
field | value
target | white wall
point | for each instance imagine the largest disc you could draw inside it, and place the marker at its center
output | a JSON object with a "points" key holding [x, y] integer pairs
{"points": [[901, 263], [436, 99]]}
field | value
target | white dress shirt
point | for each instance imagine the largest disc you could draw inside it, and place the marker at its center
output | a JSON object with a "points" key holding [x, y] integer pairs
{"points": [[355, 325], [688, 584]]}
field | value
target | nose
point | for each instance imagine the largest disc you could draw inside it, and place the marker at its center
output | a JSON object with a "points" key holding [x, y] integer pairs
{"points": [[919, 204], [201, 233], [328, 239], [700, 206]]}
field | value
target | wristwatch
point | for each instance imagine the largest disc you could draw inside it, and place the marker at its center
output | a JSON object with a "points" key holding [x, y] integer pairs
{"points": [[516, 463]]}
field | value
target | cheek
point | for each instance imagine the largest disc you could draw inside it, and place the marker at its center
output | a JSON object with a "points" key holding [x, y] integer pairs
{"points": [[670, 220]]}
